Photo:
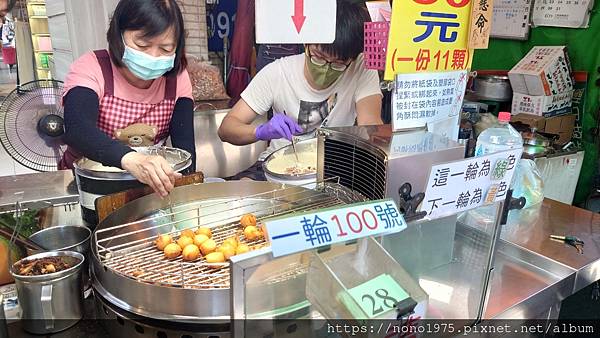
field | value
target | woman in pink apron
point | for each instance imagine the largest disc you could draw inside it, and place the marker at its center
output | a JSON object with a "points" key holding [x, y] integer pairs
{"points": [[137, 92]]}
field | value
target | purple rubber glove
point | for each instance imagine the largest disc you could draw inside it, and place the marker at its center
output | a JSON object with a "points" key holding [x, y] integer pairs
{"points": [[280, 126]]}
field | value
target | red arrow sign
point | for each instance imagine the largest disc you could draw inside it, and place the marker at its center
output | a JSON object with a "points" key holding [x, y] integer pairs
{"points": [[298, 16]]}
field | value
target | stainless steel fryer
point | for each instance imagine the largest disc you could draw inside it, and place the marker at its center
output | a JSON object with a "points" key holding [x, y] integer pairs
{"points": [[133, 275]]}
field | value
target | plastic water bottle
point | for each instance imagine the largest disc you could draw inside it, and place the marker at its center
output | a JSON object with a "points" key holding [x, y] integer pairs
{"points": [[498, 138]]}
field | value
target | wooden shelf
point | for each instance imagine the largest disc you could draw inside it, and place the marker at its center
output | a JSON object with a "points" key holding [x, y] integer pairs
{"points": [[43, 52], [38, 17]]}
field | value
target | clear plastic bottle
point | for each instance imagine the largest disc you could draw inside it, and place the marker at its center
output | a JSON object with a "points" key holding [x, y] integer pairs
{"points": [[498, 138]]}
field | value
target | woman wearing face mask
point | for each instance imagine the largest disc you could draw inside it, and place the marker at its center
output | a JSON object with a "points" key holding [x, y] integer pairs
{"points": [[141, 79], [327, 85]]}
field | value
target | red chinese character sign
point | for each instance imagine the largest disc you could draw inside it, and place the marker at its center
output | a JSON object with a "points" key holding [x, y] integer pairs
{"points": [[428, 36]]}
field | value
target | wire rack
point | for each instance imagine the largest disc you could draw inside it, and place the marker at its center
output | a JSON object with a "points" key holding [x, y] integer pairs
{"points": [[129, 249]]}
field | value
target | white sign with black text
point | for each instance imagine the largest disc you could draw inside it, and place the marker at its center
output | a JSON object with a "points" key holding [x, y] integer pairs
{"points": [[295, 21], [423, 98], [470, 183]]}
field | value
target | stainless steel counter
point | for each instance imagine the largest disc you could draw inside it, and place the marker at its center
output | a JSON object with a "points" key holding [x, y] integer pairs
{"points": [[38, 190], [531, 230]]}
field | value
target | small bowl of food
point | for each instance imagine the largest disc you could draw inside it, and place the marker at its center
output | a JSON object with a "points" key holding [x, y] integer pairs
{"points": [[282, 166]]}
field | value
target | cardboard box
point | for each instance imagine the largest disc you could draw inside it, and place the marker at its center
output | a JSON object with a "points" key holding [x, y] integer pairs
{"points": [[562, 126], [546, 106], [544, 71]]}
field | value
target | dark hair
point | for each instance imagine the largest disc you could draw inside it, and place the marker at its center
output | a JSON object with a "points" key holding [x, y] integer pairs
{"points": [[349, 31], [153, 17]]}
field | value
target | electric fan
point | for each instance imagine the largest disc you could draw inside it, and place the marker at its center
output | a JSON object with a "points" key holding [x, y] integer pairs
{"points": [[32, 125]]}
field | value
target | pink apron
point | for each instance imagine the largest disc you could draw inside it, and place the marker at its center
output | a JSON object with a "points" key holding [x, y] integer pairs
{"points": [[117, 113]]}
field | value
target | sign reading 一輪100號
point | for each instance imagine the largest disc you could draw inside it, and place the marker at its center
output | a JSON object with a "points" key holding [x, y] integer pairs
{"points": [[428, 36], [314, 229], [470, 183]]}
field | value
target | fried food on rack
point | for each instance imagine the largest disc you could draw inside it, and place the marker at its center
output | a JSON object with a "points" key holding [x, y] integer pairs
{"points": [[187, 233], [215, 257], [248, 220], [252, 233], [209, 246], [233, 241], [227, 250], [199, 239], [172, 251], [163, 241], [190, 253], [184, 241], [241, 249], [204, 231]]}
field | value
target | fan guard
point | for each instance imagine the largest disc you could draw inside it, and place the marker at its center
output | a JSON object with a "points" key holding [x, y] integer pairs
{"points": [[32, 125]]}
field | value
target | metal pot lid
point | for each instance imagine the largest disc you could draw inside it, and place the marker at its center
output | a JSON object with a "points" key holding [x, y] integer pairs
{"points": [[302, 147], [492, 78], [178, 158], [533, 138]]}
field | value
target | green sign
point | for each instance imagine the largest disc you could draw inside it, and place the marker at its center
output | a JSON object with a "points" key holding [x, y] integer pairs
{"points": [[377, 296]]}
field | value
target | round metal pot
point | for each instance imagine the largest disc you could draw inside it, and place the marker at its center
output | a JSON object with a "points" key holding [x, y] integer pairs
{"points": [[67, 238], [493, 87], [52, 302], [535, 144], [307, 180], [94, 181]]}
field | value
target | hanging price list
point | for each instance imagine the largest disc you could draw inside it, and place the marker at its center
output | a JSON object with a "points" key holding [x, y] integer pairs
{"points": [[325, 227]]}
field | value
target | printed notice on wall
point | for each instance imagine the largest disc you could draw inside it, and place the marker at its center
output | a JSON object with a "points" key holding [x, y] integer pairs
{"points": [[423, 98], [463, 185], [511, 19], [562, 13]]}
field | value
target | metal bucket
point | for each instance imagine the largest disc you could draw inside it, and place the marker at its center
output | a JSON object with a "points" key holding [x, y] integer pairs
{"points": [[67, 238], [52, 302], [94, 181]]}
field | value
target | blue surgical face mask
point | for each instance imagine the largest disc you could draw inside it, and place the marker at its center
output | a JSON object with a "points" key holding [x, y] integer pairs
{"points": [[147, 67]]}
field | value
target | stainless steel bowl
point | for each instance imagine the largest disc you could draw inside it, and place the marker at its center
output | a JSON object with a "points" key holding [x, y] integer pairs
{"points": [[178, 158], [64, 238], [301, 147]]}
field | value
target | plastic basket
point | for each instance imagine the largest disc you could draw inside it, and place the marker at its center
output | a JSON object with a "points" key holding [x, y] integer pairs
{"points": [[376, 40]]}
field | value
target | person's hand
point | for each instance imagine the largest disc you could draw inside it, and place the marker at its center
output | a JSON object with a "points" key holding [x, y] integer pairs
{"points": [[279, 126], [154, 171]]}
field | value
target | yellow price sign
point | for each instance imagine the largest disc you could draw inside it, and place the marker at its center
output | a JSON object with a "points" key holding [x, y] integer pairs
{"points": [[428, 36]]}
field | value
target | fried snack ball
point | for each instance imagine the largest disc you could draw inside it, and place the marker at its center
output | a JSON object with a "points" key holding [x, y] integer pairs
{"points": [[233, 241], [204, 231], [227, 250], [252, 233], [187, 233], [248, 220], [184, 241], [172, 250], [241, 249], [209, 246], [215, 257], [163, 241], [190, 253], [199, 239]]}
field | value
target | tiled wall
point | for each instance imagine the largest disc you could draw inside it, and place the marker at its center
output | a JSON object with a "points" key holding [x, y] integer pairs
{"points": [[194, 15]]}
